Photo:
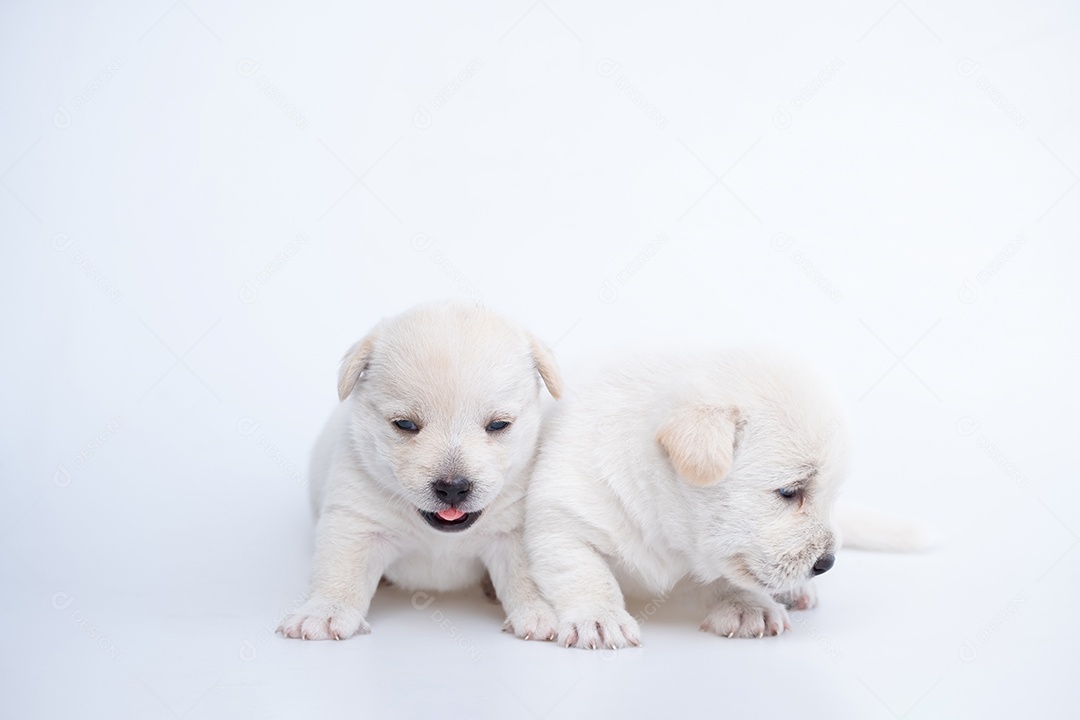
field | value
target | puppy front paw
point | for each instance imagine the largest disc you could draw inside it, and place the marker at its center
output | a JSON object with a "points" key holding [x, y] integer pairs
{"points": [[324, 619], [598, 627], [746, 616], [802, 598], [534, 621]]}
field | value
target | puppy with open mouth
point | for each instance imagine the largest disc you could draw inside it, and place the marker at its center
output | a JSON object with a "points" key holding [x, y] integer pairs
{"points": [[419, 475], [719, 467]]}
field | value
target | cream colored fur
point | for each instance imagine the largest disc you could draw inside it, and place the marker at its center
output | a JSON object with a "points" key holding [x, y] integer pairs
{"points": [[670, 467], [452, 370]]}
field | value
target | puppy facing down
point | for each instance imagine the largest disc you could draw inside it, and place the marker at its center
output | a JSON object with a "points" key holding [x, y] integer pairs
{"points": [[721, 467], [419, 475]]}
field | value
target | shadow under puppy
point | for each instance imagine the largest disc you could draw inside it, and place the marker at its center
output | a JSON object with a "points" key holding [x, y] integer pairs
{"points": [[419, 474], [723, 467]]}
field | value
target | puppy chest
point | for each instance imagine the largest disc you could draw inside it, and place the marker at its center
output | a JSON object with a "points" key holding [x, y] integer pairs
{"points": [[647, 572], [436, 571]]}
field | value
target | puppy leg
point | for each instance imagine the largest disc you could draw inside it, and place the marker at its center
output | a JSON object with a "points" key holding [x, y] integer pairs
{"points": [[734, 611], [349, 560], [586, 596], [802, 598], [527, 615]]}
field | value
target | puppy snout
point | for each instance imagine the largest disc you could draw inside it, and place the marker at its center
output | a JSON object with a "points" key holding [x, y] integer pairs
{"points": [[824, 563], [452, 490]]}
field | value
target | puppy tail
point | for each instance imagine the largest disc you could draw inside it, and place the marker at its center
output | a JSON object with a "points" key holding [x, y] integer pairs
{"points": [[867, 529]]}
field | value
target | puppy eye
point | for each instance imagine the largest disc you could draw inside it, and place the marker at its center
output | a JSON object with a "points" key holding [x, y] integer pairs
{"points": [[788, 493], [497, 425], [406, 425]]}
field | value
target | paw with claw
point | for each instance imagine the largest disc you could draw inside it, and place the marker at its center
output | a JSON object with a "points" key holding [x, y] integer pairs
{"points": [[535, 621], [324, 619], [598, 627], [746, 615]]}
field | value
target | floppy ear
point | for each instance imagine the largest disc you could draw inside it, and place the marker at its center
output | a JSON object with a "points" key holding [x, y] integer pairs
{"points": [[700, 440], [545, 365], [353, 365]]}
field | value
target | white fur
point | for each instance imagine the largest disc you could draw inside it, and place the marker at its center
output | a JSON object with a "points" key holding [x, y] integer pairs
{"points": [[453, 370], [669, 467]]}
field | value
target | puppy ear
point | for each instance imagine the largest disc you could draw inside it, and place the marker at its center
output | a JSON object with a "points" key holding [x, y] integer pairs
{"points": [[353, 365], [545, 365], [700, 440]]}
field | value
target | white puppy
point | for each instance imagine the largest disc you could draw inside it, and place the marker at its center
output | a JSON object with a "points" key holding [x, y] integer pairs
{"points": [[721, 467], [419, 474]]}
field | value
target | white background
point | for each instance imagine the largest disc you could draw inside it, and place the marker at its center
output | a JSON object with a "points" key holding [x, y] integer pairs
{"points": [[204, 204]]}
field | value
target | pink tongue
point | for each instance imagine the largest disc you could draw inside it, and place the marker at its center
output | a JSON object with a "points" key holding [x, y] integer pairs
{"points": [[450, 514]]}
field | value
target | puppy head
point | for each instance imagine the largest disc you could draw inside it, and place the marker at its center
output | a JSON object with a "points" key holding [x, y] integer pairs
{"points": [[446, 407], [761, 482]]}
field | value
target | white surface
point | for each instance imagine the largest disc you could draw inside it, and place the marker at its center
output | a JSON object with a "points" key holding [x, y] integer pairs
{"points": [[138, 214]]}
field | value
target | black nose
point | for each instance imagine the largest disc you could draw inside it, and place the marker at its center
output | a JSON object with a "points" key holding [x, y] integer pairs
{"points": [[824, 563], [452, 490]]}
